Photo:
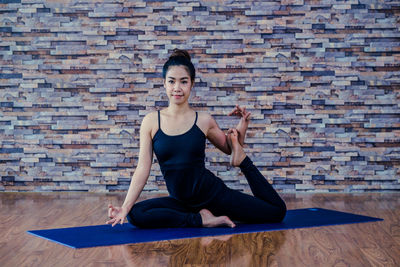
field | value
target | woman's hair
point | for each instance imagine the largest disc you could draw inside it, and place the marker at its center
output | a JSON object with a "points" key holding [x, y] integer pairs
{"points": [[180, 58]]}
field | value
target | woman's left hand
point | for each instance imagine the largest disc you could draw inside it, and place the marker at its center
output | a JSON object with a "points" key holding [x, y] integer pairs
{"points": [[240, 112]]}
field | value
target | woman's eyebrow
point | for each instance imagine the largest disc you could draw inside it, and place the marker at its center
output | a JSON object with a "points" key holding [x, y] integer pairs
{"points": [[181, 78]]}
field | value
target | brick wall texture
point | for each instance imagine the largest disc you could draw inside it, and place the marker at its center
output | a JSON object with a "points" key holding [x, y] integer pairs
{"points": [[321, 79]]}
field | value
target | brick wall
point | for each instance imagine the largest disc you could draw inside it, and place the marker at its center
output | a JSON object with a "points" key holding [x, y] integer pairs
{"points": [[320, 77]]}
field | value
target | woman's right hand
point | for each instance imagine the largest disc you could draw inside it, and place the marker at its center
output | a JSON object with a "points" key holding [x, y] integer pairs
{"points": [[116, 215]]}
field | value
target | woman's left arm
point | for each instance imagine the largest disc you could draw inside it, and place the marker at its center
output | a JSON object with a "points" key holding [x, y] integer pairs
{"points": [[216, 136]]}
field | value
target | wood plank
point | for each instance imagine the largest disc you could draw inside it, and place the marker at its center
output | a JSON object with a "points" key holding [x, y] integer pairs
{"points": [[364, 244]]}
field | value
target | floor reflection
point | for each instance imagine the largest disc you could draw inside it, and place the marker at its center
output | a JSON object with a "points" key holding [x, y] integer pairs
{"points": [[254, 249]]}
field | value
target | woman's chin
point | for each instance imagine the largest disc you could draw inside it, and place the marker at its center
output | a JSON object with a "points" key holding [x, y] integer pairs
{"points": [[177, 100]]}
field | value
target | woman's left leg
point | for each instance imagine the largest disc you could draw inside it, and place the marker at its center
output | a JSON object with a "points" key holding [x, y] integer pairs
{"points": [[169, 212], [242, 207], [265, 206], [163, 212]]}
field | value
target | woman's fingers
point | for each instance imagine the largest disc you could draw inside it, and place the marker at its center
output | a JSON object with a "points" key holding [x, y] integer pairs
{"points": [[230, 113], [110, 208], [113, 221], [113, 211], [120, 220], [247, 116], [110, 221], [239, 111], [244, 112], [235, 111]]}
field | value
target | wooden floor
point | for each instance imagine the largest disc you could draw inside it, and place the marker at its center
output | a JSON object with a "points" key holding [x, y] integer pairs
{"points": [[365, 244]]}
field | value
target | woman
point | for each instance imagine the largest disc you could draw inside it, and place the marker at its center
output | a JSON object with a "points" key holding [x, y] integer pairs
{"points": [[177, 135]]}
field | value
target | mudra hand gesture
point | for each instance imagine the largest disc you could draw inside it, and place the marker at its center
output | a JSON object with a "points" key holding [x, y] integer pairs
{"points": [[116, 215], [240, 112], [243, 123]]}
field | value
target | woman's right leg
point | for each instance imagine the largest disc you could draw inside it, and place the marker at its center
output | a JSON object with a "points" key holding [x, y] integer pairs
{"points": [[266, 200], [259, 185], [162, 213]]}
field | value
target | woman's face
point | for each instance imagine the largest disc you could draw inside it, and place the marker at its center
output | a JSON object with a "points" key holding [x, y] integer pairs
{"points": [[178, 85]]}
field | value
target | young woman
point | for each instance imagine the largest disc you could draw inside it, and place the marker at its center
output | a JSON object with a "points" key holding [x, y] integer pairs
{"points": [[177, 135]]}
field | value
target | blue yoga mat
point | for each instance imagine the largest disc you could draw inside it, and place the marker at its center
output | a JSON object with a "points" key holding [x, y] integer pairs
{"points": [[105, 235]]}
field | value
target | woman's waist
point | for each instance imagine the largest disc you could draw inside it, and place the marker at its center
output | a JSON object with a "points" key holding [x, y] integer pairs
{"points": [[192, 185], [199, 164]]}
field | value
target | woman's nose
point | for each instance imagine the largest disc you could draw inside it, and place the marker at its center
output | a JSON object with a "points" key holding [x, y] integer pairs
{"points": [[176, 86]]}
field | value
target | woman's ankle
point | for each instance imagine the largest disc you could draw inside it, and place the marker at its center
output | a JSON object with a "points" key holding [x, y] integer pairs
{"points": [[246, 162]]}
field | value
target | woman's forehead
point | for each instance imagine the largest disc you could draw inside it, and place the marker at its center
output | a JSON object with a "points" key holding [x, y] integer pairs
{"points": [[177, 72]]}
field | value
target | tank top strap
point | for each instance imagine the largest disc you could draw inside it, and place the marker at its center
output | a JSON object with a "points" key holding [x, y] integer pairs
{"points": [[159, 120], [195, 119]]}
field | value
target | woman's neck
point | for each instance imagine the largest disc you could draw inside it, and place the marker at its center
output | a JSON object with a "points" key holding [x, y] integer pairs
{"points": [[176, 110]]}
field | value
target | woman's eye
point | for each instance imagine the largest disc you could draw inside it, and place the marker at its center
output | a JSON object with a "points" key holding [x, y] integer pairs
{"points": [[171, 81]]}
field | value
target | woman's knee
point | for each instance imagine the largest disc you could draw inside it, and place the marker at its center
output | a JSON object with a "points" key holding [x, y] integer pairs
{"points": [[136, 216], [278, 214], [281, 212]]}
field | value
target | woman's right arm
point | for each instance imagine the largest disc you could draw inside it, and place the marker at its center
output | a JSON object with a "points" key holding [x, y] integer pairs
{"points": [[140, 176]]}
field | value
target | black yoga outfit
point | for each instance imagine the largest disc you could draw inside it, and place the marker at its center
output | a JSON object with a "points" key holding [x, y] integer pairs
{"points": [[192, 187]]}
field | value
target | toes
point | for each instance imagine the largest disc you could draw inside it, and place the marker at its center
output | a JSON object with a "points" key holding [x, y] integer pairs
{"points": [[228, 221], [234, 135]]}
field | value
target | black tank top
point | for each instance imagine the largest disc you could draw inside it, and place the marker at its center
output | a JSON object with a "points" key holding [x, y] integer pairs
{"points": [[179, 151], [181, 159]]}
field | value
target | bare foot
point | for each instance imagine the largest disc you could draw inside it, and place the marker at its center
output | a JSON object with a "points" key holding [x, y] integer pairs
{"points": [[244, 120], [228, 139], [238, 154], [209, 220]]}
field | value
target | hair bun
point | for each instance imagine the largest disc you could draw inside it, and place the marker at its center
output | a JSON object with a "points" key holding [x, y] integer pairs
{"points": [[180, 53]]}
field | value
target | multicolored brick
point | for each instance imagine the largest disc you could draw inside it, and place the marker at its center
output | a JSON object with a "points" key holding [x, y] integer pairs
{"points": [[320, 78]]}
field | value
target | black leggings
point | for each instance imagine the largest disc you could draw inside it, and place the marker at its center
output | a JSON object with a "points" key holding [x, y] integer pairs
{"points": [[264, 207]]}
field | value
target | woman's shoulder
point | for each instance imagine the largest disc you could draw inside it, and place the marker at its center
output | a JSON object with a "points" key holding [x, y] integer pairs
{"points": [[150, 116], [150, 120], [150, 123], [205, 120], [204, 116]]}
